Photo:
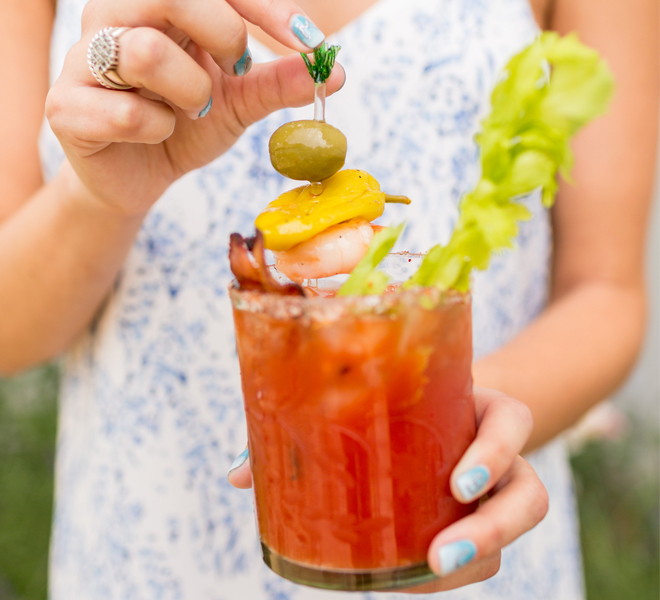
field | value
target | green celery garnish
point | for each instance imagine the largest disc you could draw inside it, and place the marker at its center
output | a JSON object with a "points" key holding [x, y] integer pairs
{"points": [[549, 91], [324, 60], [365, 279]]}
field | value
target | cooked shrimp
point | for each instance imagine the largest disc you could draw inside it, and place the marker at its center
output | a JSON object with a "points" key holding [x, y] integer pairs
{"points": [[336, 250]]}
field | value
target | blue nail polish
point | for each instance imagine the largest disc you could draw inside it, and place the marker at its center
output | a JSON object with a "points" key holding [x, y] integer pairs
{"points": [[244, 64], [472, 482], [455, 555], [206, 109], [308, 33], [239, 460]]}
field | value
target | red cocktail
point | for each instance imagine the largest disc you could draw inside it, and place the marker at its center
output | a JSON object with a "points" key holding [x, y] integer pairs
{"points": [[358, 409]]}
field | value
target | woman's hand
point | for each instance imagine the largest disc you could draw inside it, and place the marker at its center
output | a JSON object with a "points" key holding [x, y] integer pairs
{"points": [[518, 501], [469, 550], [127, 147]]}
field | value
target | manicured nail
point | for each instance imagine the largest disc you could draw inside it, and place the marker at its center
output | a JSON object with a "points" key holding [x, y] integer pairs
{"points": [[455, 555], [472, 482], [206, 109], [308, 33], [240, 459], [244, 64]]}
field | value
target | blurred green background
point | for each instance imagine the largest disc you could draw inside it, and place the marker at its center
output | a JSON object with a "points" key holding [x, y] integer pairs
{"points": [[617, 482]]}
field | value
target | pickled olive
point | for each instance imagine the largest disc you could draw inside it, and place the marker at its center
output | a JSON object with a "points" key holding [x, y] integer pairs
{"points": [[298, 215], [307, 150]]}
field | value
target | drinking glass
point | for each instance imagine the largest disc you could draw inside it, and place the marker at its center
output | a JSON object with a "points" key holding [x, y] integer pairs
{"points": [[358, 409]]}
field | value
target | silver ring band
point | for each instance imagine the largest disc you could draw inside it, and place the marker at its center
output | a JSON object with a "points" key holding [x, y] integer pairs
{"points": [[103, 58]]}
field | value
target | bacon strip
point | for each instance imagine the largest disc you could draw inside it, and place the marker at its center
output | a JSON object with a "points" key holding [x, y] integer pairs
{"points": [[248, 264]]}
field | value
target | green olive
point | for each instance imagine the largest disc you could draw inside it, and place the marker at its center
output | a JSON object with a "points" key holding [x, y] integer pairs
{"points": [[307, 150]]}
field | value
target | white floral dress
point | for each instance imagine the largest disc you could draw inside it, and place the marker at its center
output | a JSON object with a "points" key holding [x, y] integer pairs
{"points": [[151, 412]]}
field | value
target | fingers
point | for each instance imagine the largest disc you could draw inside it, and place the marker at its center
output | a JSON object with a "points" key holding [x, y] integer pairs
{"points": [[467, 550], [276, 85], [519, 504], [479, 570], [282, 20], [86, 115], [152, 60], [504, 426], [215, 25], [239, 474], [151, 56], [212, 24]]}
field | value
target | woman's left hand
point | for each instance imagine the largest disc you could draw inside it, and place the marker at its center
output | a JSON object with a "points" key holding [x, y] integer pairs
{"points": [[469, 550]]}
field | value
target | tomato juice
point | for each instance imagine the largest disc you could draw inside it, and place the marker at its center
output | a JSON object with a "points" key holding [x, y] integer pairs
{"points": [[357, 410]]}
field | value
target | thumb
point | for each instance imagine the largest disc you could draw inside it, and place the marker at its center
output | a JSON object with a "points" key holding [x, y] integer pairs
{"points": [[284, 83], [240, 475]]}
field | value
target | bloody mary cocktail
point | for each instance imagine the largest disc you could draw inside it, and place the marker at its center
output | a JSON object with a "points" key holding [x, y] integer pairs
{"points": [[358, 409]]}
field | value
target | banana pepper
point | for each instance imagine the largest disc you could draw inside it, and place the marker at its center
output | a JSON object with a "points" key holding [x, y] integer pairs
{"points": [[301, 213]]}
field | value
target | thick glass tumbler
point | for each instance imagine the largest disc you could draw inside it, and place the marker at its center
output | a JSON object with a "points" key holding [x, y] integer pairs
{"points": [[358, 409]]}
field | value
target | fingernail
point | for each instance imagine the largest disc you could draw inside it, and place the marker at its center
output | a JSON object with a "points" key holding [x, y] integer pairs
{"points": [[308, 33], [472, 482], [244, 64], [455, 555], [206, 109], [240, 459]]}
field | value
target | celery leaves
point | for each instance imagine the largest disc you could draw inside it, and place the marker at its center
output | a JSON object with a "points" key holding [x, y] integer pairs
{"points": [[547, 93]]}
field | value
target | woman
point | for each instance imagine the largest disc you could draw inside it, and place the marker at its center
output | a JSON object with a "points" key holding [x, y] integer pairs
{"points": [[120, 257]]}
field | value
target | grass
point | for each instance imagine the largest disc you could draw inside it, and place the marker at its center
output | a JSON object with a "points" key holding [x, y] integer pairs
{"points": [[618, 489], [27, 437]]}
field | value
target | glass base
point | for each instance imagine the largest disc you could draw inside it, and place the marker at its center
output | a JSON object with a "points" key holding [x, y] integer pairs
{"points": [[350, 581]]}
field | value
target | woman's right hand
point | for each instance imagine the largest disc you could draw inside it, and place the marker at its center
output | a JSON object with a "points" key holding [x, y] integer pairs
{"points": [[127, 147]]}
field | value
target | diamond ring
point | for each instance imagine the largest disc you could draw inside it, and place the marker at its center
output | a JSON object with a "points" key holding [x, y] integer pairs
{"points": [[103, 58]]}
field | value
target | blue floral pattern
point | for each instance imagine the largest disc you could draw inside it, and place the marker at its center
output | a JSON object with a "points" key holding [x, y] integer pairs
{"points": [[151, 411]]}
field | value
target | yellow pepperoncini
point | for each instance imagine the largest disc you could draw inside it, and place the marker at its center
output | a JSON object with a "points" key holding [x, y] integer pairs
{"points": [[300, 214]]}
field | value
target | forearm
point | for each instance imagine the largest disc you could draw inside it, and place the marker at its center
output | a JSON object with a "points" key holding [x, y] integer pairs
{"points": [[576, 353], [59, 255]]}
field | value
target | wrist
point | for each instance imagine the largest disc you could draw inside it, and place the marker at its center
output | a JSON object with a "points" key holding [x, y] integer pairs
{"points": [[75, 194]]}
